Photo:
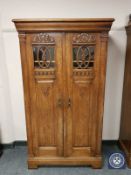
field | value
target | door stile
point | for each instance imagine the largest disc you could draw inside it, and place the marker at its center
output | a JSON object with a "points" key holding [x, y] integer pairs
{"points": [[61, 111], [68, 138], [33, 95], [65, 91]]}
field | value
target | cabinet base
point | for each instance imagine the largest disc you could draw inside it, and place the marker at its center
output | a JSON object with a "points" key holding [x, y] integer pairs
{"points": [[127, 151], [95, 162]]}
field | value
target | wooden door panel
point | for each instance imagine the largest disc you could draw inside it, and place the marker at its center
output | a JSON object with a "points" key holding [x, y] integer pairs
{"points": [[45, 51], [81, 118], [82, 80], [46, 112]]}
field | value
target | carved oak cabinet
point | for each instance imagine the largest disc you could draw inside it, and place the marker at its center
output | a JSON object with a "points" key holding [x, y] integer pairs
{"points": [[64, 68]]}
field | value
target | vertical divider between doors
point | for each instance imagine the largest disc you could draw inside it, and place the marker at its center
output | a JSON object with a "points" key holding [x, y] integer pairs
{"points": [[64, 87], [59, 67], [67, 93]]}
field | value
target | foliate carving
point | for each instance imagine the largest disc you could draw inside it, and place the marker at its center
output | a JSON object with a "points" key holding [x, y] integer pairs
{"points": [[46, 91], [43, 38], [84, 38]]}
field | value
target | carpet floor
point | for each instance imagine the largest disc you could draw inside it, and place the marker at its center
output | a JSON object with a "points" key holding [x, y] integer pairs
{"points": [[13, 162]]}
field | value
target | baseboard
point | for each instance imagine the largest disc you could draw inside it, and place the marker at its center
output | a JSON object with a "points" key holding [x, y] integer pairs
{"points": [[24, 143], [20, 143], [110, 142], [13, 144]]}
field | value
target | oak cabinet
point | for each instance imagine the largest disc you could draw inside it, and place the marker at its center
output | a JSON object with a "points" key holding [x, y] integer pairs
{"points": [[64, 68], [125, 129]]}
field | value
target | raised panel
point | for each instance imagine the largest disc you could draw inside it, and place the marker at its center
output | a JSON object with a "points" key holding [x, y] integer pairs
{"points": [[81, 114], [46, 114]]}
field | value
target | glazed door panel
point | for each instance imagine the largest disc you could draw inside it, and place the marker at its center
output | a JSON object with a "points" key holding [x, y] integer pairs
{"points": [[82, 68], [44, 52]]}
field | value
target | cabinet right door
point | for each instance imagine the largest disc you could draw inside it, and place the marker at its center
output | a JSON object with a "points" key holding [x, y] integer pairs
{"points": [[82, 70]]}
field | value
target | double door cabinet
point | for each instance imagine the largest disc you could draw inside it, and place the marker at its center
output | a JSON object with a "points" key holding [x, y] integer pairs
{"points": [[64, 66]]}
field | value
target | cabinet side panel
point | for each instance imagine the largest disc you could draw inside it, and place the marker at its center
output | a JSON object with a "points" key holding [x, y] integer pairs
{"points": [[103, 41], [25, 73]]}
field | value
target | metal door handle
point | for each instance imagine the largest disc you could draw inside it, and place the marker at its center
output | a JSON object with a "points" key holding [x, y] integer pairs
{"points": [[60, 102], [69, 102]]}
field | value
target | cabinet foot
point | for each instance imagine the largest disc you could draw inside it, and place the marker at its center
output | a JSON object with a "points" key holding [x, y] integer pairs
{"points": [[129, 164], [97, 165], [32, 166]]}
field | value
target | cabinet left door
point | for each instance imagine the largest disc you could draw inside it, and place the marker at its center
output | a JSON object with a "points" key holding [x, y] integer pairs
{"points": [[44, 63]]}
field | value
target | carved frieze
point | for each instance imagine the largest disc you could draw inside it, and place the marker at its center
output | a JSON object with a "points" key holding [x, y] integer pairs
{"points": [[45, 73], [84, 38], [81, 73], [43, 38]]}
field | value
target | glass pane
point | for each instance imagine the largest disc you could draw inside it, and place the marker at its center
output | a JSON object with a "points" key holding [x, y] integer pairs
{"points": [[83, 57], [43, 56]]}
